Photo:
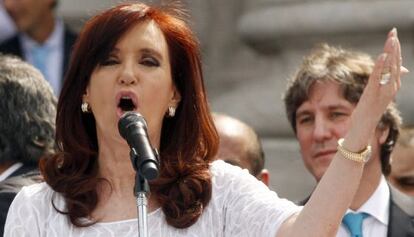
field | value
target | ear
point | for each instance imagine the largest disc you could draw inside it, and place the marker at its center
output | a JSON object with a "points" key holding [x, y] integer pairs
{"points": [[176, 98], [382, 134], [85, 97], [264, 176]]}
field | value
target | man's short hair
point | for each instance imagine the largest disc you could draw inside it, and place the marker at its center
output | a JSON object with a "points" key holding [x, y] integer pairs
{"points": [[28, 110], [406, 138], [351, 71], [253, 149]]}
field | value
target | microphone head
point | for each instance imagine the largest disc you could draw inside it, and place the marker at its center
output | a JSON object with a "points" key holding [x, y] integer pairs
{"points": [[130, 118]]}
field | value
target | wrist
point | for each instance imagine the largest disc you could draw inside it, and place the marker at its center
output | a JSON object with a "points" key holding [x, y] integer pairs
{"points": [[361, 155]]}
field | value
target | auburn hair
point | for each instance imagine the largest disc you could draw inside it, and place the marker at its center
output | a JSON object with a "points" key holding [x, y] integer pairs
{"points": [[189, 140]]}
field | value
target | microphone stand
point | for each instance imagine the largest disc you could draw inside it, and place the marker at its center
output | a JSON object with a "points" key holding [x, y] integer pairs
{"points": [[141, 191]]}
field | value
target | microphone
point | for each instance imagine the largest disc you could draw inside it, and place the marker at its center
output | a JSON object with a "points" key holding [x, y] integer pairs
{"points": [[133, 128]]}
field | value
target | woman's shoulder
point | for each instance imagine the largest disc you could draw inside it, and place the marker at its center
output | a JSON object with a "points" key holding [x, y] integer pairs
{"points": [[221, 168], [34, 190], [37, 195], [227, 173], [230, 179]]}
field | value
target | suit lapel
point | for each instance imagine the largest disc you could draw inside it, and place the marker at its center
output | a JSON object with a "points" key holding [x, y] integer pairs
{"points": [[13, 46], [401, 222]]}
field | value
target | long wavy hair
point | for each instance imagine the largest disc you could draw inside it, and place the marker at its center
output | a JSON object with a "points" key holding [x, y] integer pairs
{"points": [[189, 140]]}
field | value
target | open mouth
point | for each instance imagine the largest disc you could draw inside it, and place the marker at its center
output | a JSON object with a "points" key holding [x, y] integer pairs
{"points": [[126, 104]]}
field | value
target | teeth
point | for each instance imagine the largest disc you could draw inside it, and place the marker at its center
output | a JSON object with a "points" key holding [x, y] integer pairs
{"points": [[125, 97]]}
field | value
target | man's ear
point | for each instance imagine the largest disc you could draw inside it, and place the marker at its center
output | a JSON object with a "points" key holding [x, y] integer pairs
{"points": [[383, 134], [264, 176]]}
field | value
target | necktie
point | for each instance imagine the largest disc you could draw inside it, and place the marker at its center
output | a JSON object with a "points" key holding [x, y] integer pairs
{"points": [[353, 221], [40, 54]]}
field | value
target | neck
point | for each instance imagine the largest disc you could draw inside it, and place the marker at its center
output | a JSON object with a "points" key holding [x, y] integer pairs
{"points": [[41, 31], [116, 197], [115, 164], [369, 183]]}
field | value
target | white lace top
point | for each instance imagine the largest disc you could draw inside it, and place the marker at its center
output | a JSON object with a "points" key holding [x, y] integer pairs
{"points": [[240, 206]]}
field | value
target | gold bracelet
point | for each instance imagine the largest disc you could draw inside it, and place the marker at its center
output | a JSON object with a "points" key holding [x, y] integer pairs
{"points": [[361, 157]]}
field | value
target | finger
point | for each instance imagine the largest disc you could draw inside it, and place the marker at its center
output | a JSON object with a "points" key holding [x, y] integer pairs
{"points": [[378, 69], [393, 32], [394, 60], [398, 60], [388, 48]]}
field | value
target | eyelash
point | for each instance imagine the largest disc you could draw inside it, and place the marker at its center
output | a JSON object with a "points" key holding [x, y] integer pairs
{"points": [[150, 62], [146, 61], [109, 61], [304, 120]]}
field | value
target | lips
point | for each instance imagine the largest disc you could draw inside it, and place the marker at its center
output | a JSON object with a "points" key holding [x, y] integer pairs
{"points": [[324, 153], [126, 101]]}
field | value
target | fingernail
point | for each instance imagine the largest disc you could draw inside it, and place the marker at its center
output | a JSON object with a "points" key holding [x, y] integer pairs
{"points": [[404, 69], [394, 31]]}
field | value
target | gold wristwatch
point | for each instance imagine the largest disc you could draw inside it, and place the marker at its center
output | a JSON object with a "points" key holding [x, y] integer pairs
{"points": [[362, 156]]}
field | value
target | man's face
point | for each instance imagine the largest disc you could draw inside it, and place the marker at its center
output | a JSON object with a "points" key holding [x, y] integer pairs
{"points": [[320, 122], [27, 14], [402, 171]]}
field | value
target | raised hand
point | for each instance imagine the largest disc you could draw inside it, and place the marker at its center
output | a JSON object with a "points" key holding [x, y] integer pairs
{"points": [[381, 89]]}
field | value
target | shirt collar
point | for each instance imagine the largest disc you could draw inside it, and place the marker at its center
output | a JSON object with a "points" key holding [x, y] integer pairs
{"points": [[5, 174], [53, 41], [378, 204]]}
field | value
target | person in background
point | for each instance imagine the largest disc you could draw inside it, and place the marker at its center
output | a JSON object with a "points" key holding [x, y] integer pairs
{"points": [[43, 40], [402, 160], [320, 101], [146, 59], [7, 28], [240, 145], [27, 126]]}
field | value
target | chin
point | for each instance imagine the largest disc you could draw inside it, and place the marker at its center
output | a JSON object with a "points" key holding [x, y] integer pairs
{"points": [[318, 174]]}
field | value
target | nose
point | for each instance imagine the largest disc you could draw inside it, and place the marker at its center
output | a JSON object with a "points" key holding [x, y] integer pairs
{"points": [[322, 130], [127, 75]]}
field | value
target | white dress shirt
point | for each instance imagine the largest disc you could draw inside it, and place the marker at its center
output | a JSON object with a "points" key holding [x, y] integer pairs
{"points": [[54, 61], [378, 208], [5, 174]]}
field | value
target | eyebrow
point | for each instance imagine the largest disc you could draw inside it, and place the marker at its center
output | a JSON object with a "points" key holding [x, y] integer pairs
{"points": [[151, 51], [148, 51], [329, 107]]}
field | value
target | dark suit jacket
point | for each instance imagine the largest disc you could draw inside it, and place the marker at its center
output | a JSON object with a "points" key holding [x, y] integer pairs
{"points": [[25, 175], [13, 46], [401, 214]]}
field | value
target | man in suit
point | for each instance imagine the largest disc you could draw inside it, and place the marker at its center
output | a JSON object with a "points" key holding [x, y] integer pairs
{"points": [[240, 145], [402, 172], [42, 40], [319, 102], [27, 126]]}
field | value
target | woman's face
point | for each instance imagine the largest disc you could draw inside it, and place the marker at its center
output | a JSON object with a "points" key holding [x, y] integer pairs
{"points": [[136, 76]]}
